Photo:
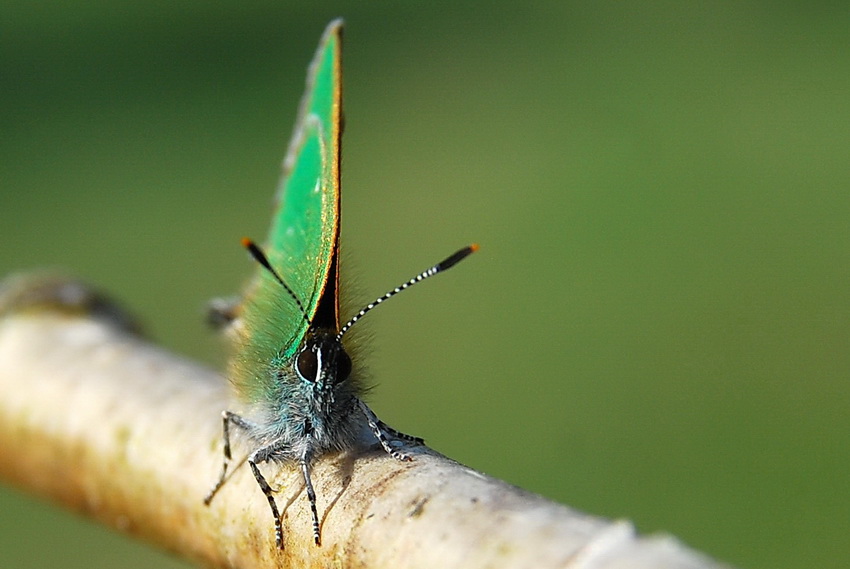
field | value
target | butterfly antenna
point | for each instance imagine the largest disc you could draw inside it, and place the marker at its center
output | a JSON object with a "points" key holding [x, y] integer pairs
{"points": [[443, 265], [261, 258]]}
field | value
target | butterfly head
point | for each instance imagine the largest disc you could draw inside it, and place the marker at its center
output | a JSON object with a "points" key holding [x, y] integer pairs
{"points": [[322, 363]]}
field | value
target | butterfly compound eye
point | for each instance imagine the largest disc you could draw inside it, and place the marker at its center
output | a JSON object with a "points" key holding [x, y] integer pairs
{"points": [[307, 365], [343, 367]]}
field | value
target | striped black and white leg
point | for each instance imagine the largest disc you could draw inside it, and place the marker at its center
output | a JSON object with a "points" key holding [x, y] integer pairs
{"points": [[258, 456], [227, 418], [398, 434], [311, 495], [375, 424]]}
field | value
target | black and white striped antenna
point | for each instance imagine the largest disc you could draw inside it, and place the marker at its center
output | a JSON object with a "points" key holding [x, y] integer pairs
{"points": [[261, 258], [443, 265]]}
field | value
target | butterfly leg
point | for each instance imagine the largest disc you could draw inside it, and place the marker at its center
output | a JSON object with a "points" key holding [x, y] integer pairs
{"points": [[378, 429], [223, 312], [226, 418], [311, 494], [399, 435], [258, 456]]}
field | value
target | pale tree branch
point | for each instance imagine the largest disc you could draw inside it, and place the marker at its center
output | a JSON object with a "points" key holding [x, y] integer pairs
{"points": [[97, 419]]}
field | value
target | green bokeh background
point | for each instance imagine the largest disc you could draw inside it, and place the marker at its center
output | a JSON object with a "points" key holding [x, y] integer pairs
{"points": [[657, 325]]}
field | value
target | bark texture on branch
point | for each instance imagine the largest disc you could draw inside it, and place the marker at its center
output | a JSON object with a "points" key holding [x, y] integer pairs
{"points": [[97, 419]]}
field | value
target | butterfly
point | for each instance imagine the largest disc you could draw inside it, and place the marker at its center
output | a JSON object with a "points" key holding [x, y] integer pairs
{"points": [[290, 369]]}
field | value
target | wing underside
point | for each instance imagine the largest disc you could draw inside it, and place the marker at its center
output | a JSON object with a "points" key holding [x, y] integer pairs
{"points": [[303, 241]]}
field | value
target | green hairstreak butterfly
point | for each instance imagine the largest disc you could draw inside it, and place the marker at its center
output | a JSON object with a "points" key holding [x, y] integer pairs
{"points": [[301, 392]]}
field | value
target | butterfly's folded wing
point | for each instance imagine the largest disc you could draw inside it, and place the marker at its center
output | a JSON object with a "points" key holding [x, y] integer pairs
{"points": [[303, 240]]}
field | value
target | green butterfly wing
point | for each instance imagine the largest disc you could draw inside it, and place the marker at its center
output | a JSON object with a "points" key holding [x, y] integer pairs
{"points": [[303, 242]]}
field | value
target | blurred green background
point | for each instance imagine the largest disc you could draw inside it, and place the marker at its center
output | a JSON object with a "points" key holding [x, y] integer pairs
{"points": [[657, 325]]}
